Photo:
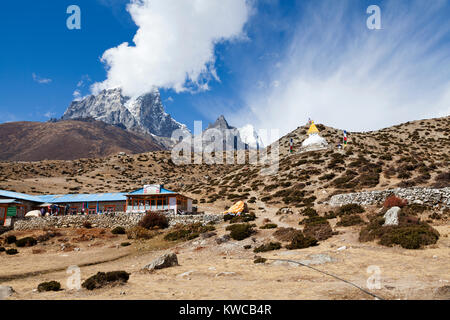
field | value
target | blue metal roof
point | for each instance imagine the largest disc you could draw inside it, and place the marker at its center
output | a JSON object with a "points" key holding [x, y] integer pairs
{"points": [[67, 198], [163, 191], [19, 196], [8, 201]]}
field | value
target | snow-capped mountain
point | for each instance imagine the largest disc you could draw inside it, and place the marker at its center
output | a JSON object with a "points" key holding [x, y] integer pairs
{"points": [[243, 138], [143, 114], [250, 137]]}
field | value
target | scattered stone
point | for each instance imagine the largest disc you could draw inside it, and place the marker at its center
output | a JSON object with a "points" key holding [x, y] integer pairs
{"points": [[284, 211], [317, 259], [165, 261], [284, 263], [208, 235], [5, 292], [391, 217], [186, 274], [341, 248], [221, 274], [222, 239], [77, 249]]}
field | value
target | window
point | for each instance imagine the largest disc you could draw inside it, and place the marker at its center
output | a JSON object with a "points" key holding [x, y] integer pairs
{"points": [[160, 203]]}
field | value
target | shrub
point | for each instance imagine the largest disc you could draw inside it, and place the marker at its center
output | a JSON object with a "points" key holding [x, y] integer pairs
{"points": [[101, 279], [2, 249], [319, 229], [26, 242], [300, 242], [125, 244], [350, 208], [269, 226], [138, 232], [118, 230], [12, 251], [410, 233], [49, 286], [246, 247], [394, 201], [188, 232], [239, 219], [260, 260], [350, 220], [310, 212], [87, 225], [11, 239], [154, 220], [286, 234], [240, 231], [410, 237], [413, 209], [268, 247]]}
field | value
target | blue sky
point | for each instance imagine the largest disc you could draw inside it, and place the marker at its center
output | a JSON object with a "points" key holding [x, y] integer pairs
{"points": [[292, 60]]}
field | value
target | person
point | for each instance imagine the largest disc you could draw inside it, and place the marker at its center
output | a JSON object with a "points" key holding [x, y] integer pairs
{"points": [[42, 212]]}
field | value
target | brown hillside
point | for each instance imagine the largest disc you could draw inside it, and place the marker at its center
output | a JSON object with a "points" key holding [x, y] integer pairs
{"points": [[411, 154], [68, 140]]}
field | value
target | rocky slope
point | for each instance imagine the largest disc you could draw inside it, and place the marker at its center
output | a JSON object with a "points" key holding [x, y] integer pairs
{"points": [[144, 114]]}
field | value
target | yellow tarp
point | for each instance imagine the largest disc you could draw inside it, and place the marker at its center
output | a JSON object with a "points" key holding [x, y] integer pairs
{"points": [[237, 208], [313, 128]]}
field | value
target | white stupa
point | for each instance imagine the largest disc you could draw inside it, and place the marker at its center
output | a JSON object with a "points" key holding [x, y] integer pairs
{"points": [[314, 141]]}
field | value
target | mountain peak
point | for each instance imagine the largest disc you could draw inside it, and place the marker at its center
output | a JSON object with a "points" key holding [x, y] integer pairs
{"points": [[142, 114], [220, 123]]}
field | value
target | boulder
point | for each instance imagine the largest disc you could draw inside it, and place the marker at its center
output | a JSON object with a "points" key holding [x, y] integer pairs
{"points": [[222, 239], [165, 261], [5, 292], [391, 217]]}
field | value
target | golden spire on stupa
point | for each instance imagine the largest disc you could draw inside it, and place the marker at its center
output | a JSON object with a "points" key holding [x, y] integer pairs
{"points": [[312, 129]]}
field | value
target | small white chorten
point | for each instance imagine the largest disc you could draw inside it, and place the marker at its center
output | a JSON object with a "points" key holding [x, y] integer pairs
{"points": [[314, 141]]}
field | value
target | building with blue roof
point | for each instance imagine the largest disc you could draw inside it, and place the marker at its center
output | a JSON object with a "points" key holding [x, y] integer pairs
{"points": [[148, 198]]}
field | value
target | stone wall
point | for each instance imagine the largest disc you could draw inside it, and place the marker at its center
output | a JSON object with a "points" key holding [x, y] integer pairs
{"points": [[106, 220], [426, 196]]}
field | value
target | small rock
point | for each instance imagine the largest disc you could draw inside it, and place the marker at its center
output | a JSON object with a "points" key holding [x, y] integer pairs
{"points": [[208, 235], [341, 248], [435, 257], [165, 261], [391, 217], [185, 274], [284, 263], [76, 249], [221, 274], [222, 239], [212, 268], [5, 292]]}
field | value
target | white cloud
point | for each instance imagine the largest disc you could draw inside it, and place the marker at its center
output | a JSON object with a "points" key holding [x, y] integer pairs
{"points": [[174, 45], [40, 80], [49, 114], [338, 72]]}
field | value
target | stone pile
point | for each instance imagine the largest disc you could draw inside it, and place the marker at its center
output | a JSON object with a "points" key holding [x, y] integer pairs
{"points": [[425, 196]]}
